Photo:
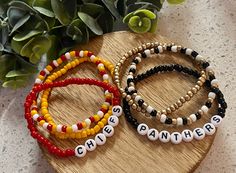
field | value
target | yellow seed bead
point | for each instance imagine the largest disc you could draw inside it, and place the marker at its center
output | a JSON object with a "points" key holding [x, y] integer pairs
{"points": [[110, 111], [50, 122], [96, 117], [73, 63], [43, 100], [47, 116], [100, 124], [59, 61], [69, 129], [101, 68], [92, 131], [85, 53], [33, 112], [55, 74], [48, 81], [54, 128], [107, 115], [84, 124], [78, 135], [106, 81], [72, 135], [44, 104], [88, 131], [44, 111], [49, 68], [41, 122], [59, 73], [104, 106], [84, 134], [53, 77], [72, 53], [69, 66], [77, 61], [45, 96], [95, 59], [63, 71], [41, 77], [96, 128], [104, 121]]}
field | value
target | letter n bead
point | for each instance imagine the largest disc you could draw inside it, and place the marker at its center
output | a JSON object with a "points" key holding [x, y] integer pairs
{"points": [[117, 110]]}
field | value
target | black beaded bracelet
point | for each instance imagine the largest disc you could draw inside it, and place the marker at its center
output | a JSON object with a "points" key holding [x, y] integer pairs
{"points": [[198, 133]]}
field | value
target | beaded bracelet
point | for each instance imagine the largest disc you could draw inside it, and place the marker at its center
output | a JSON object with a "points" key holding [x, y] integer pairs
{"points": [[61, 130], [186, 135], [145, 51], [179, 68], [90, 144]]}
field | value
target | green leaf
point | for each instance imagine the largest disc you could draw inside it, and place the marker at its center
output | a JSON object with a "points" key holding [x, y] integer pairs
{"points": [[22, 5], [26, 35], [64, 10], [121, 6], [91, 9], [17, 45], [14, 14], [144, 12], [15, 83], [153, 25], [43, 7], [110, 4], [106, 22], [175, 1], [3, 32], [21, 22], [139, 25], [73, 30], [156, 3], [91, 23], [15, 73], [7, 62]]}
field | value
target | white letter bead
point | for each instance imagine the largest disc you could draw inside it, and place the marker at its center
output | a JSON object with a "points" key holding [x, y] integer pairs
{"points": [[205, 109], [198, 133], [188, 51], [187, 135], [75, 128], [117, 110], [90, 145], [179, 121], [164, 136], [176, 137], [212, 95], [100, 114], [149, 109], [147, 52], [113, 120], [216, 120], [163, 118], [80, 151], [100, 139], [67, 54], [59, 126], [209, 128], [142, 129], [152, 134], [193, 117], [108, 131], [174, 48]]}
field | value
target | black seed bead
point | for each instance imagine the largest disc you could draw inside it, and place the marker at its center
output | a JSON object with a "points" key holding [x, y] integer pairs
{"points": [[183, 50], [220, 100], [156, 50], [196, 74], [132, 70], [185, 70], [156, 69], [135, 61], [132, 92], [165, 68], [161, 68], [153, 113], [208, 83], [205, 65], [140, 102], [211, 77], [129, 80], [198, 115], [215, 90], [135, 124], [144, 55], [178, 68], [126, 89], [221, 110], [208, 104], [148, 73], [191, 72], [170, 67], [194, 54], [168, 48], [168, 120], [224, 105], [221, 114], [152, 71], [185, 121]]}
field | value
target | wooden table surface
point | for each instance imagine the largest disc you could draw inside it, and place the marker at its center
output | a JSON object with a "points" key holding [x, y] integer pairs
{"points": [[127, 151]]}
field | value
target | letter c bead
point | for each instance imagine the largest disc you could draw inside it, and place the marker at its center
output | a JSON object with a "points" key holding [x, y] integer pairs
{"points": [[80, 151]]}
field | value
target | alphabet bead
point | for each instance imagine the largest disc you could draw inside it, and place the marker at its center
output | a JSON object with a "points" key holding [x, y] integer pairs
{"points": [[216, 120], [175, 137], [152, 134], [142, 129], [80, 151], [108, 131], [198, 133], [100, 139], [113, 121], [164, 136], [209, 128], [187, 135], [117, 110], [90, 145]]}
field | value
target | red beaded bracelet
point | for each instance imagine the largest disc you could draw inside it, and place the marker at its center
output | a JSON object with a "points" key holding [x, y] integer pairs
{"points": [[80, 150]]}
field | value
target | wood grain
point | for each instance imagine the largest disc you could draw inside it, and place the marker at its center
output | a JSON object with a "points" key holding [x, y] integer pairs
{"points": [[126, 151]]}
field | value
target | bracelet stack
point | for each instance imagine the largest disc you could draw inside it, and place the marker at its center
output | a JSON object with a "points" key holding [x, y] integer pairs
{"points": [[132, 99]]}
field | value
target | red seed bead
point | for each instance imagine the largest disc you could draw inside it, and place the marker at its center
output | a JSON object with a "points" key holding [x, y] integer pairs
{"points": [[79, 125], [102, 73], [42, 73], [52, 65], [63, 128], [77, 53], [63, 58], [103, 110], [89, 54], [97, 62], [92, 119], [69, 152], [40, 118], [49, 127]]}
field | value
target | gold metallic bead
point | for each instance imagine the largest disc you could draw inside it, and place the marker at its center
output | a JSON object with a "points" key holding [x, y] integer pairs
{"points": [[124, 95], [156, 43], [199, 83], [179, 103], [200, 112], [211, 72], [128, 97], [190, 94], [116, 77], [134, 95], [126, 55], [194, 90], [174, 121], [122, 61], [204, 76], [215, 85], [144, 46], [148, 45], [202, 79], [122, 90], [168, 110], [202, 72], [163, 111], [176, 105], [118, 64], [138, 109], [130, 53], [123, 58], [139, 55], [182, 99], [134, 106], [152, 44], [152, 50], [140, 48], [179, 47], [144, 105], [189, 121], [143, 110], [172, 108], [210, 100], [130, 102], [187, 97], [197, 87]]}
